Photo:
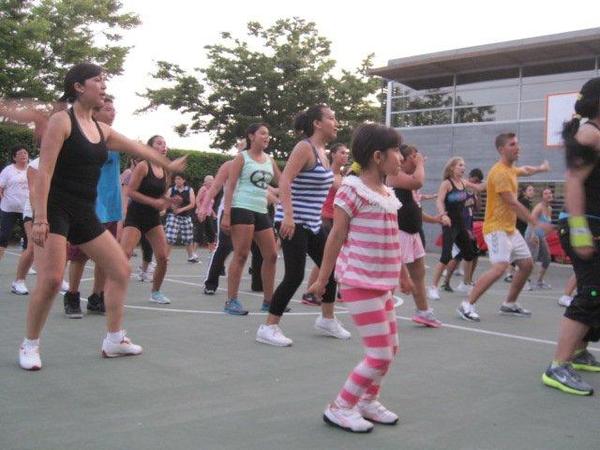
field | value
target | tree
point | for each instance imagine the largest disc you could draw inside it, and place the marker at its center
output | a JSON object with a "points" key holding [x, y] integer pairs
{"points": [[275, 73], [41, 39]]}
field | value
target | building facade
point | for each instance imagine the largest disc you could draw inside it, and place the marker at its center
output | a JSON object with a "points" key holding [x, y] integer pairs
{"points": [[455, 103]]}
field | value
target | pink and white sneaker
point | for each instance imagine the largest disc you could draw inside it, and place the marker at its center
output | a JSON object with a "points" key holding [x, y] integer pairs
{"points": [[29, 357], [376, 412], [347, 419], [426, 318], [123, 348]]}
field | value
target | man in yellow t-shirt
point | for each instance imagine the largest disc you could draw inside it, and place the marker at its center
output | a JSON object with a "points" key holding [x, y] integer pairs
{"points": [[505, 243]]}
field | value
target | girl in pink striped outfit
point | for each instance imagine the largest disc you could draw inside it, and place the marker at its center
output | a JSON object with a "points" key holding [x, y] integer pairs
{"points": [[365, 236]]}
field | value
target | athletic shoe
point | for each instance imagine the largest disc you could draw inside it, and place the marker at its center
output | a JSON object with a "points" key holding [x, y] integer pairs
{"points": [[29, 357], [508, 278], [465, 288], [64, 287], [72, 304], [426, 318], [265, 307], [542, 285], [234, 307], [310, 299], [209, 291], [331, 327], [158, 297], [433, 293], [272, 335], [95, 304], [145, 276], [123, 348], [31, 271], [446, 287], [514, 309], [564, 378], [586, 361], [376, 412], [347, 419], [527, 286], [467, 311], [565, 300], [193, 259], [18, 287]]}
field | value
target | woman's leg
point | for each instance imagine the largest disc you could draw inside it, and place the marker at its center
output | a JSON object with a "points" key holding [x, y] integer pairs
{"points": [[268, 249], [241, 238], [158, 241]]}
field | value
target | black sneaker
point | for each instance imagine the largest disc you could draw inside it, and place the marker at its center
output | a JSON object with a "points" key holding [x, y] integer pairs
{"points": [[446, 287], [72, 305], [95, 304], [310, 300], [209, 291]]}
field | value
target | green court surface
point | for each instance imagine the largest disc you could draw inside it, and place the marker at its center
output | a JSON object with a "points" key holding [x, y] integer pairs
{"points": [[203, 382]]}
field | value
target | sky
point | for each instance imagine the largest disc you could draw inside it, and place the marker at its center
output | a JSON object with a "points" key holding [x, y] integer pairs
{"points": [[177, 31]]}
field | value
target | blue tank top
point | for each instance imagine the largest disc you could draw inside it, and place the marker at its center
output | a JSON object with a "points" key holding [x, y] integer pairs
{"points": [[309, 191]]}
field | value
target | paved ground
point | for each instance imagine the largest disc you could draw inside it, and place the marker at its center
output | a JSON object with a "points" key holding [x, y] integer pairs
{"points": [[204, 383]]}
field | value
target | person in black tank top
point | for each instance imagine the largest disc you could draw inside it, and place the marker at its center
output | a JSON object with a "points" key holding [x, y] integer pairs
{"points": [[450, 204], [179, 219], [580, 236], [72, 152], [410, 224], [147, 190]]}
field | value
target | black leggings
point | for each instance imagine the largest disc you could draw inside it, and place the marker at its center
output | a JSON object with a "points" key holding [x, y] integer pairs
{"points": [[7, 223], [304, 242], [147, 251], [460, 237]]}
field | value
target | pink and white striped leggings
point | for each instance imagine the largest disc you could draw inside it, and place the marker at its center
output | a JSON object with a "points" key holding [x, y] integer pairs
{"points": [[373, 313]]}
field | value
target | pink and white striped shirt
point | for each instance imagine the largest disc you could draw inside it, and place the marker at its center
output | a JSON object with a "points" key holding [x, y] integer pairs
{"points": [[370, 257]]}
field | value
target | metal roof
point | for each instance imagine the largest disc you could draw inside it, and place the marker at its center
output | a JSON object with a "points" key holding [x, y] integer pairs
{"points": [[543, 49]]}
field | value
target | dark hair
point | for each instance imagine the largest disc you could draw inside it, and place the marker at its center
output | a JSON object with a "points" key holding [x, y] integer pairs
{"points": [[303, 123], [180, 175], [152, 139], [476, 173], [503, 138], [370, 137], [333, 150], [15, 148], [587, 105], [407, 150], [78, 74], [253, 128]]}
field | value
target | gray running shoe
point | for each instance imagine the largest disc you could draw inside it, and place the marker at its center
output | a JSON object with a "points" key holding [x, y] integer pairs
{"points": [[586, 361], [564, 378], [514, 309]]}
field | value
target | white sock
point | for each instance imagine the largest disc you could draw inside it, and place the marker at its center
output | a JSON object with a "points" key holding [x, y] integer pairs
{"points": [[117, 337], [30, 343]]}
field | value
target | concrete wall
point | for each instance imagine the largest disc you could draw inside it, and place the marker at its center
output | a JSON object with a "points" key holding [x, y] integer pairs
{"points": [[475, 143]]}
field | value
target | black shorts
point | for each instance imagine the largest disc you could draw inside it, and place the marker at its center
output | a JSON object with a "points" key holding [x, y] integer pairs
{"points": [[585, 307], [242, 216], [77, 222], [144, 219]]}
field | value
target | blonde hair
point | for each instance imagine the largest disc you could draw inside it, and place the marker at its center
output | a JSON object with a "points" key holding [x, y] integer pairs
{"points": [[449, 167]]}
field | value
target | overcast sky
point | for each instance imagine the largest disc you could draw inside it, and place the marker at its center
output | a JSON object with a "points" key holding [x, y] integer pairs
{"points": [[178, 30]]}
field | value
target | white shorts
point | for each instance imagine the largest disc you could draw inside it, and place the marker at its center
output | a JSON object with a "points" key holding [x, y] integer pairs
{"points": [[411, 247], [506, 248]]}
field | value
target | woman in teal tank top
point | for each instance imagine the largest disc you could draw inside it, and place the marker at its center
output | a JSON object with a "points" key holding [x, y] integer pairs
{"points": [[245, 214]]}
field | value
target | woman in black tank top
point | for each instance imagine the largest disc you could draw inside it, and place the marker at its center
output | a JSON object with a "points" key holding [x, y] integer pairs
{"points": [[73, 149], [148, 192]]}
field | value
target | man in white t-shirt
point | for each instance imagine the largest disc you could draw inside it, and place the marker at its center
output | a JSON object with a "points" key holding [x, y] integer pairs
{"points": [[13, 192]]}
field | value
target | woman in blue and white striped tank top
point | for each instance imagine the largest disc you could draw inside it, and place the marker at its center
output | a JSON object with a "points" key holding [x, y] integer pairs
{"points": [[303, 188]]}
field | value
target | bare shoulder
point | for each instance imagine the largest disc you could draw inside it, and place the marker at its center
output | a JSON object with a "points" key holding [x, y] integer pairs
{"points": [[589, 136]]}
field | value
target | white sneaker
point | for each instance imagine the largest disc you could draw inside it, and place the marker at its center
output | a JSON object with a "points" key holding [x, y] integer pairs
{"points": [[565, 300], [151, 267], [29, 357], [346, 419], [123, 348], [433, 293], [462, 287], [527, 286], [31, 271], [376, 412], [467, 311], [332, 327], [64, 287], [272, 335], [147, 276], [18, 287]]}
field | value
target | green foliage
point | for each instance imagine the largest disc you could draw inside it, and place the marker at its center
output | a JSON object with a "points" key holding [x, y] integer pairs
{"points": [[268, 77], [41, 39], [199, 164], [12, 135]]}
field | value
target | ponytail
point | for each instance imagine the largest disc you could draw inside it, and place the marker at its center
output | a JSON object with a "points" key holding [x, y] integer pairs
{"points": [[303, 123]]}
